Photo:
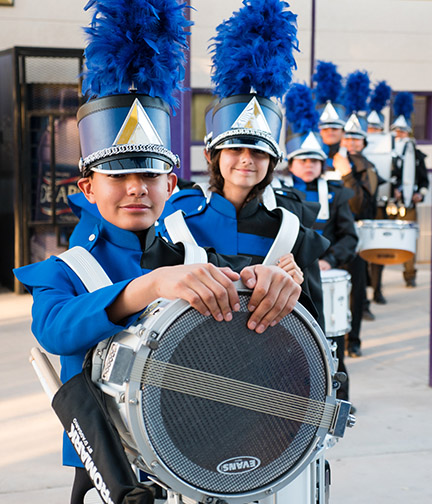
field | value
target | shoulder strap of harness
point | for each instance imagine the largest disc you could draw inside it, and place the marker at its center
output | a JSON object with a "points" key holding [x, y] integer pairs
{"points": [[178, 230], [94, 277], [269, 198], [87, 268], [282, 244], [176, 227], [324, 212], [286, 237]]}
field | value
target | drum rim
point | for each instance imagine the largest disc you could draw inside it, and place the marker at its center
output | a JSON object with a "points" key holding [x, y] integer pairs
{"points": [[339, 274], [386, 223]]}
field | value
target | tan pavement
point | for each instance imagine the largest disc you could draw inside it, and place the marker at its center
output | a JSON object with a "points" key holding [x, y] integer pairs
{"points": [[385, 458]]}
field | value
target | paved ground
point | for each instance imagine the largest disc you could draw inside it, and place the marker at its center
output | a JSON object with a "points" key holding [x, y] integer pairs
{"points": [[385, 458]]}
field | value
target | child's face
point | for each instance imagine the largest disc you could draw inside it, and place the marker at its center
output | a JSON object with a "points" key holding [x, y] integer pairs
{"points": [[331, 136], [306, 169], [242, 167], [353, 145], [401, 134], [133, 201]]}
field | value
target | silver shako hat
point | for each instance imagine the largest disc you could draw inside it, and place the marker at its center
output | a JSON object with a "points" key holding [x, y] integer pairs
{"points": [[252, 65], [403, 107], [380, 97], [134, 65], [354, 98], [356, 126], [327, 93], [303, 140]]}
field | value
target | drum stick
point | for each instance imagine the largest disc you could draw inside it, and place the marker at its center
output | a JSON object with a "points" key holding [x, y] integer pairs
{"points": [[45, 371]]}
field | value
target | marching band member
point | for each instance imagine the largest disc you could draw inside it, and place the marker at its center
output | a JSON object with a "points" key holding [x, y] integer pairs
{"points": [[417, 182], [242, 148], [380, 97], [335, 221], [360, 175], [328, 89], [126, 172], [375, 126]]}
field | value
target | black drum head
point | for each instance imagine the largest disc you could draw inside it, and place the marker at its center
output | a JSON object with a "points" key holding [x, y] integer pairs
{"points": [[228, 410]]}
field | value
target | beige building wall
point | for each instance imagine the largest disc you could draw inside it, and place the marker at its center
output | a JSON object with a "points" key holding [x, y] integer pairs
{"points": [[391, 39], [43, 23]]}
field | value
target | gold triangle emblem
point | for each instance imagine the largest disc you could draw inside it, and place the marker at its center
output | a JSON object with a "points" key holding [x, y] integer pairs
{"points": [[137, 128], [252, 117]]}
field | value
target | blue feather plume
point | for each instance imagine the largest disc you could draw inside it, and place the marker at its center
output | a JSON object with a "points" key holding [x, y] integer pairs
{"points": [[356, 92], [380, 96], [254, 49], [403, 104], [300, 109], [328, 82], [138, 43]]}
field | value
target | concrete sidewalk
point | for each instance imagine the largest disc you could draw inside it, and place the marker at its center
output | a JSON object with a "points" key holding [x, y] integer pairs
{"points": [[385, 458]]}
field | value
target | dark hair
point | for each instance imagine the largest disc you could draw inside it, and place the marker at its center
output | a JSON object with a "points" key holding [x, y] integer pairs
{"points": [[217, 181], [87, 172]]}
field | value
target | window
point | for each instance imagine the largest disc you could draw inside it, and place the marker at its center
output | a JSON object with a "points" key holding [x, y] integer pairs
{"points": [[201, 98], [421, 119]]}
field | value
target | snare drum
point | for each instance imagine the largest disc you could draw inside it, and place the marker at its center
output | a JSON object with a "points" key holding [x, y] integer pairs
{"points": [[336, 287], [387, 241], [214, 410]]}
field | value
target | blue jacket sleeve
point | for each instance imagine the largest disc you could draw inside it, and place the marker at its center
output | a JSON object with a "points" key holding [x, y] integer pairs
{"points": [[68, 320]]}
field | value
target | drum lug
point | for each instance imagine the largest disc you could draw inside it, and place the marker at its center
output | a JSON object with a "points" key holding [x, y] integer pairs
{"points": [[152, 341], [338, 379]]}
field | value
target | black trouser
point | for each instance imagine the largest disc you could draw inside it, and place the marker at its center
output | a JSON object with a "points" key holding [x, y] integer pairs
{"points": [[375, 275], [81, 485], [410, 271], [357, 270], [375, 270]]}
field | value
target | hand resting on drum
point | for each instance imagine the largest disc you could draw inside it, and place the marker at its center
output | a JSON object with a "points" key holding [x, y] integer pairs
{"points": [[288, 264], [211, 291]]}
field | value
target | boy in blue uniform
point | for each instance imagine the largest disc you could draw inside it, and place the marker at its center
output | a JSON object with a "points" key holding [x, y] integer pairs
{"points": [[127, 174], [68, 320]]}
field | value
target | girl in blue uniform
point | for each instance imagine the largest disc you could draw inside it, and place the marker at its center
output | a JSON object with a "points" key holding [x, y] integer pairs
{"points": [[232, 213]]}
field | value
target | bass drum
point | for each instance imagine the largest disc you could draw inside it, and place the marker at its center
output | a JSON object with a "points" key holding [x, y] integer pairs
{"points": [[216, 411]]}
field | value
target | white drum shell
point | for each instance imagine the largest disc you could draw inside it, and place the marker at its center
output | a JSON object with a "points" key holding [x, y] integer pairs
{"points": [[308, 488], [336, 286], [124, 402], [387, 241]]}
